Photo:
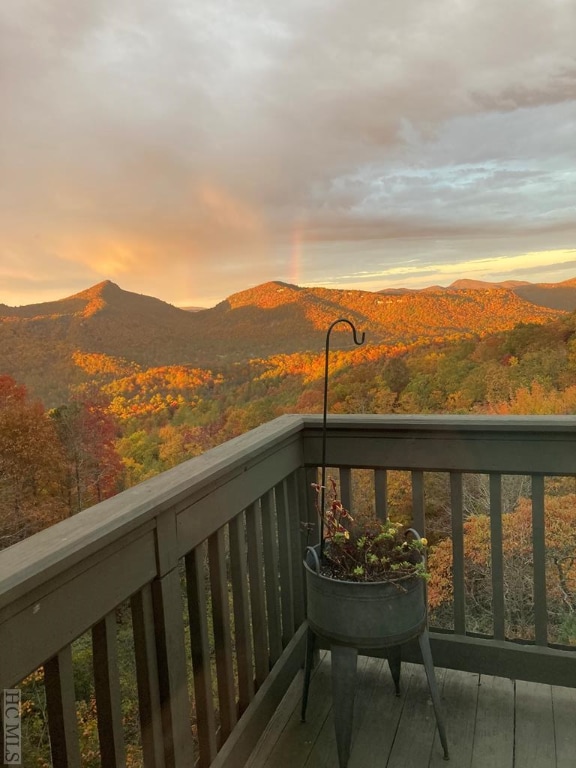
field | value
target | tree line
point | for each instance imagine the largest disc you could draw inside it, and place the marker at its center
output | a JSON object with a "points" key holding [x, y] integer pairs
{"points": [[52, 463], [129, 423]]}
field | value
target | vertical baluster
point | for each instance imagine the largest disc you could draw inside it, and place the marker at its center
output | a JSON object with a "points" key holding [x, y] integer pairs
{"points": [[539, 555], [270, 550], [147, 678], [497, 560], [310, 533], [242, 634], [257, 600], [200, 651], [172, 672], [381, 493], [61, 707], [107, 690], [296, 515], [346, 488], [418, 511], [285, 563], [222, 634], [456, 496]]}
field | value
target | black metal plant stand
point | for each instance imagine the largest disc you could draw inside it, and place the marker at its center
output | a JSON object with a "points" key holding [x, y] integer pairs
{"points": [[376, 625], [358, 340]]}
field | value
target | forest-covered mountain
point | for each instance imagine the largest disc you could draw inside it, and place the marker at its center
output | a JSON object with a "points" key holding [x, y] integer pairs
{"points": [[41, 344]]}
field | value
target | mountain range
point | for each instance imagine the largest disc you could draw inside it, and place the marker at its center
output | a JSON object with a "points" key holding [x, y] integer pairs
{"points": [[560, 296], [38, 341]]}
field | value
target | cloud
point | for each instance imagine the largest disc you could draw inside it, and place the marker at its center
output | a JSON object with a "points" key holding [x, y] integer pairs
{"points": [[177, 145]]}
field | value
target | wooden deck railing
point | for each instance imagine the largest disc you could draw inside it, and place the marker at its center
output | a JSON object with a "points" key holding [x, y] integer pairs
{"points": [[535, 447], [209, 557]]}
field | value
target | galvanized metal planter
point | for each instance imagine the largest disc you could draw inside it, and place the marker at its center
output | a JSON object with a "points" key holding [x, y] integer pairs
{"points": [[363, 614]]}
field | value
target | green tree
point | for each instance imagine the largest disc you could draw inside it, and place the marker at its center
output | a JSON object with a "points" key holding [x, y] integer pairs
{"points": [[140, 455], [396, 375]]}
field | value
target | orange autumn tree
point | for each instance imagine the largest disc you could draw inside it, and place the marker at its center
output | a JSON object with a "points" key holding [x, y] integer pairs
{"points": [[31, 465], [560, 539], [88, 433]]}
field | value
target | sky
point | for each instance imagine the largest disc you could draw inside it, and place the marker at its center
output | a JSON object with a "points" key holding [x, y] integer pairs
{"points": [[189, 149]]}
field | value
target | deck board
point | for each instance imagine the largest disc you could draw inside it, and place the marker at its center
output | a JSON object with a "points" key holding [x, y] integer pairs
{"points": [[459, 697], [323, 753], [295, 739], [564, 709], [413, 743], [494, 730], [534, 726], [381, 712], [490, 721]]}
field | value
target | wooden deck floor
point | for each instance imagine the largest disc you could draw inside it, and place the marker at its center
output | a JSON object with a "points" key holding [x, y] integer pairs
{"points": [[492, 722]]}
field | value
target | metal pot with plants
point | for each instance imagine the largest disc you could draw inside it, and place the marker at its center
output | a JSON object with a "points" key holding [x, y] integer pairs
{"points": [[366, 590]]}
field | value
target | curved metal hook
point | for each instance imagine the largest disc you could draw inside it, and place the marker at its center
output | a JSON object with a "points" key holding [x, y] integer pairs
{"points": [[358, 340]]}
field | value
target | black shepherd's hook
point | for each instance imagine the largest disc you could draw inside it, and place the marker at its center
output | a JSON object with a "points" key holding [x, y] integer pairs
{"points": [[358, 340]]}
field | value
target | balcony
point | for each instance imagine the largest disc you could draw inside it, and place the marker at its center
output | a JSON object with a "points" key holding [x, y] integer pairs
{"points": [[200, 568]]}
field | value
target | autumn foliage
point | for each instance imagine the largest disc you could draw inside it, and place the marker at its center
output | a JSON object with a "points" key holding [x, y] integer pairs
{"points": [[52, 464], [517, 550], [31, 465], [93, 469]]}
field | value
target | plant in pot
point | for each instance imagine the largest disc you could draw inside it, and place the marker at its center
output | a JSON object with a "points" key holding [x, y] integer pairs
{"points": [[365, 591]]}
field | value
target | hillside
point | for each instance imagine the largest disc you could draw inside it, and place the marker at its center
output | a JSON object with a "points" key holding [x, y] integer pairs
{"points": [[37, 342], [560, 296], [278, 317]]}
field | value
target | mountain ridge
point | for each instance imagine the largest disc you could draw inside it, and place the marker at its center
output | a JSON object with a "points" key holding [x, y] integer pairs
{"points": [[465, 282], [106, 291], [38, 342]]}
